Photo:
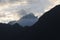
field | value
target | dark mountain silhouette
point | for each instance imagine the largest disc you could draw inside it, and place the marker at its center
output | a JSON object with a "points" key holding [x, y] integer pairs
{"points": [[44, 29], [48, 24]]}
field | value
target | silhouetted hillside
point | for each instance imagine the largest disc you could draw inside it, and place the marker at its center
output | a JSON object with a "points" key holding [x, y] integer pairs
{"points": [[49, 23]]}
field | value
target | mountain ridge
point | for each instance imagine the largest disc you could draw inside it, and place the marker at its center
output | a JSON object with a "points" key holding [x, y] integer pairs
{"points": [[27, 20]]}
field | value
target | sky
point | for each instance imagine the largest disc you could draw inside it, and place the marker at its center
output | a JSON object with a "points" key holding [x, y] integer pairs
{"points": [[11, 10]]}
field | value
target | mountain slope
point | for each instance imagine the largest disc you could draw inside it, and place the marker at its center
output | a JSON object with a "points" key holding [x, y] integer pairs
{"points": [[49, 24], [27, 20]]}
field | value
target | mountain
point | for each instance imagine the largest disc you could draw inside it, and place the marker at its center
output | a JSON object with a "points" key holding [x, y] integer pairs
{"points": [[46, 28], [48, 24], [27, 20], [12, 22]]}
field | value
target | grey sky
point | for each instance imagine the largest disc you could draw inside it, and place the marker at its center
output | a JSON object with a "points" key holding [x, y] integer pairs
{"points": [[35, 6], [22, 7]]}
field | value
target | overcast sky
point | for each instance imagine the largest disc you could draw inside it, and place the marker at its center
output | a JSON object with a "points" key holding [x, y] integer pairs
{"points": [[14, 9]]}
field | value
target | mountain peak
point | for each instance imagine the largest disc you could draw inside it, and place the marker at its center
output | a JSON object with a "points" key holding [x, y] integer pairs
{"points": [[28, 16], [28, 20]]}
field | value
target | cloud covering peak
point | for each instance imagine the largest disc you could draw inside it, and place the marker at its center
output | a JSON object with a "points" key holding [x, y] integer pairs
{"points": [[9, 8]]}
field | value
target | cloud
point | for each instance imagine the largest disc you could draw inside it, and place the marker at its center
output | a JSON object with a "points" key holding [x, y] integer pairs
{"points": [[39, 5], [22, 12], [9, 8]]}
